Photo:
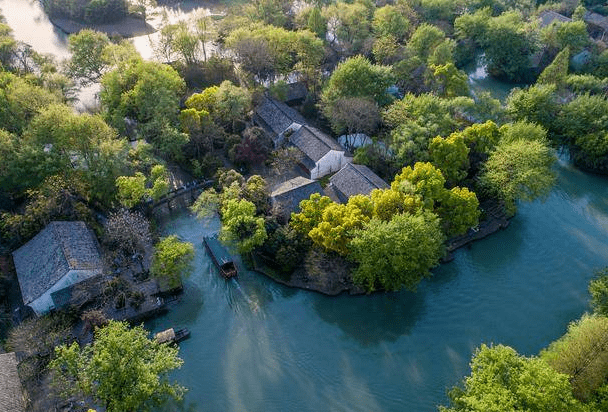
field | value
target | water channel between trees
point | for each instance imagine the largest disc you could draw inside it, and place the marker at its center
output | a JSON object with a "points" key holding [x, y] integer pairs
{"points": [[258, 346]]}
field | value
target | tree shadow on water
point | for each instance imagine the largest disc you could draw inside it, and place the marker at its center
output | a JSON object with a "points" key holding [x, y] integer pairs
{"points": [[372, 319]]}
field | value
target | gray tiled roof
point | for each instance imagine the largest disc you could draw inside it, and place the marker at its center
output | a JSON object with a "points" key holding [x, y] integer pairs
{"points": [[313, 143], [549, 16], [11, 392], [289, 194], [355, 179], [276, 117], [51, 254], [596, 20]]}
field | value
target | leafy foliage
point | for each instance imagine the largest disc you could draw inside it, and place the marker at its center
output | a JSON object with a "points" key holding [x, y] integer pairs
{"points": [[503, 380], [241, 226], [582, 354], [172, 260], [122, 370], [397, 253], [519, 170]]}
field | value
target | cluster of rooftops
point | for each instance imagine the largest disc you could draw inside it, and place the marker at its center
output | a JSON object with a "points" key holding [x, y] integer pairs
{"points": [[319, 156]]}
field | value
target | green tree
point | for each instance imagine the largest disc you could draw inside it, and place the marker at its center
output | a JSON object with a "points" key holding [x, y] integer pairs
{"points": [[82, 145], [557, 71], [448, 81], [398, 253], [20, 101], [519, 170], [424, 180], [389, 202], [311, 213], [87, 63], [451, 156], [122, 370], [390, 21], [425, 39], [172, 260], [582, 354], [316, 23], [357, 77], [147, 92], [349, 25], [241, 226], [339, 223], [458, 211], [131, 189], [503, 380], [536, 104], [598, 288], [508, 46]]}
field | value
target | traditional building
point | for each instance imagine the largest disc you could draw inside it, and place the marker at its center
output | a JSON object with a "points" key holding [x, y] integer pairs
{"points": [[287, 196], [11, 392], [63, 254], [353, 180], [322, 155], [276, 119]]}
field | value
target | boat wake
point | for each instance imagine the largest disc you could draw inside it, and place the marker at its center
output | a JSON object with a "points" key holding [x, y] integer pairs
{"points": [[238, 299]]}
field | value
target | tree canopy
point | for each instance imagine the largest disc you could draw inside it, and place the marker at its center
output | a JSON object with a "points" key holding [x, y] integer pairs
{"points": [[122, 370], [502, 380]]}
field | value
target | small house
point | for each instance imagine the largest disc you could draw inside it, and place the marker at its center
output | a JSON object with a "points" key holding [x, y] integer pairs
{"points": [[11, 391], [276, 119], [286, 197], [321, 155], [548, 17], [63, 254], [354, 180]]}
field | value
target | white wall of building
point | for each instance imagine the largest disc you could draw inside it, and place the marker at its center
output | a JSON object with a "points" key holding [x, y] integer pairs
{"points": [[330, 163]]}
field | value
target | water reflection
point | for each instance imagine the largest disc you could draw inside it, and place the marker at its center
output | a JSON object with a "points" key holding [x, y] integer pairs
{"points": [[373, 319]]}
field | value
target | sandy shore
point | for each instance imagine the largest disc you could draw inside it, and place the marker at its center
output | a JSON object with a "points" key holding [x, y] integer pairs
{"points": [[127, 27]]}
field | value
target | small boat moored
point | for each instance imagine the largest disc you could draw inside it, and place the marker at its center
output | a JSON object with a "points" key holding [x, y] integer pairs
{"points": [[172, 336], [220, 256]]}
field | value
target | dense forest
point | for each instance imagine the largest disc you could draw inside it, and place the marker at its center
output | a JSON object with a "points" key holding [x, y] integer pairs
{"points": [[392, 71]]}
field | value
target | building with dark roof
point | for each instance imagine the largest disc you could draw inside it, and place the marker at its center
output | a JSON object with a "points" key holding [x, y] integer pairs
{"points": [[321, 155], [286, 197], [11, 392], [276, 118], [61, 255], [296, 93], [547, 17], [354, 180]]}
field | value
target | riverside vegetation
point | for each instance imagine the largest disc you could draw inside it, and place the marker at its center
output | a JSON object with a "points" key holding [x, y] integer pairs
{"points": [[442, 148]]}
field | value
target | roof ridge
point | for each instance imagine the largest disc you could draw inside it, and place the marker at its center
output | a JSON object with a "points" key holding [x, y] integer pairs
{"points": [[316, 136], [361, 173]]}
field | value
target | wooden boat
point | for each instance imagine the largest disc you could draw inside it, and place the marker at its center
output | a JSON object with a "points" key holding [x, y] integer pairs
{"points": [[220, 257], [172, 336]]}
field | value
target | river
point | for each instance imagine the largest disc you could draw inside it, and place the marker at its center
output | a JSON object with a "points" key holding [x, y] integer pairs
{"points": [[259, 346]]}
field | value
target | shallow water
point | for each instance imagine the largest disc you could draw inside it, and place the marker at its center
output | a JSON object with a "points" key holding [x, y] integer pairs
{"points": [[258, 346]]}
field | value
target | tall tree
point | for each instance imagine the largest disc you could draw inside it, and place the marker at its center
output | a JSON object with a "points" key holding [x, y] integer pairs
{"points": [[122, 370], [502, 380], [398, 253], [519, 170]]}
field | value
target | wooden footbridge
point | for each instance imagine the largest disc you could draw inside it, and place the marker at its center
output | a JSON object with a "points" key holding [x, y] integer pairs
{"points": [[179, 197]]}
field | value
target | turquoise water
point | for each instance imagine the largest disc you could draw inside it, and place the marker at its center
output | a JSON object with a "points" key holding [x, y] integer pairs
{"points": [[258, 346]]}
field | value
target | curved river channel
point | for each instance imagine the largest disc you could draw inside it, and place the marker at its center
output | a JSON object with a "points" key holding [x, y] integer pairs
{"points": [[258, 346]]}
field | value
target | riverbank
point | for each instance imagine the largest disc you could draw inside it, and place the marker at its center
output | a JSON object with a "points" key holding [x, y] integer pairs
{"points": [[127, 27]]}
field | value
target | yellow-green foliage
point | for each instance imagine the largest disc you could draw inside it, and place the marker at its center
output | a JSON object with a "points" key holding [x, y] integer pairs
{"points": [[582, 354]]}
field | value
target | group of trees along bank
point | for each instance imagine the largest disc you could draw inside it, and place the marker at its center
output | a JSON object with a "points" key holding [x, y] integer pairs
{"points": [[393, 71]]}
